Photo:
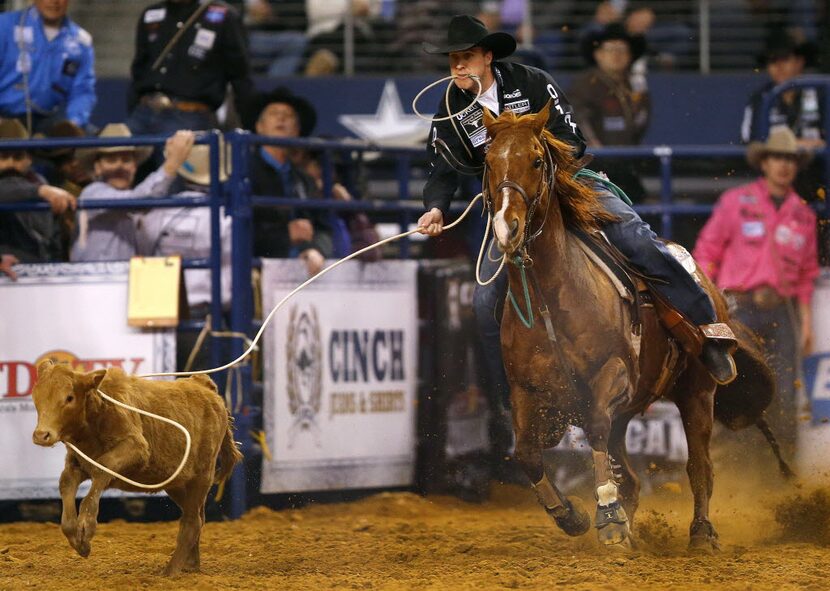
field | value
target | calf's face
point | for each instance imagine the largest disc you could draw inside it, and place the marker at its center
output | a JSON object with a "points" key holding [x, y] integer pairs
{"points": [[59, 397]]}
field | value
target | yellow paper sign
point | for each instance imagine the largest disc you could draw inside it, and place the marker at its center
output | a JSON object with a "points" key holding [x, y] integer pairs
{"points": [[154, 291]]}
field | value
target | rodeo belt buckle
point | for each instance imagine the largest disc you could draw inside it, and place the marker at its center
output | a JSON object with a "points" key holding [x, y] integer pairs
{"points": [[159, 101]]}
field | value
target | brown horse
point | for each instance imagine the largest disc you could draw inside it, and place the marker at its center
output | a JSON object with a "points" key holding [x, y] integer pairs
{"points": [[580, 363]]}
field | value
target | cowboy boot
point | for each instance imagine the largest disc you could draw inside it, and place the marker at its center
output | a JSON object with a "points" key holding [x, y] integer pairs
{"points": [[712, 343], [716, 354]]}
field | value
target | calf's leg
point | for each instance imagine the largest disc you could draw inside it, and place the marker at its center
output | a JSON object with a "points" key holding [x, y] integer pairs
{"points": [[130, 453], [191, 499], [70, 480]]}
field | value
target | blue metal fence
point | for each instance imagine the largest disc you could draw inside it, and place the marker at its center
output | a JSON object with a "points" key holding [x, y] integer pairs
{"points": [[236, 195]]}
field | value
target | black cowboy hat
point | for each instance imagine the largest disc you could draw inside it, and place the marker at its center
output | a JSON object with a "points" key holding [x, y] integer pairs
{"points": [[63, 128], [612, 32], [304, 109], [466, 32], [780, 44]]}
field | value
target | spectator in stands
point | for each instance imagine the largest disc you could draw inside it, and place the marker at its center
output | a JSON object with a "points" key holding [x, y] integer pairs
{"points": [[32, 236], [46, 66], [283, 232], [61, 168], [109, 234], [611, 111], [186, 231], [760, 246], [327, 24], [276, 35], [7, 263], [800, 110], [351, 230], [186, 54]]}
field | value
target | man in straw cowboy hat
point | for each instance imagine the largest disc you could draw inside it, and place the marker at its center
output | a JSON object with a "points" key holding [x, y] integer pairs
{"points": [[760, 246], [109, 234], [473, 50], [32, 236], [186, 231]]}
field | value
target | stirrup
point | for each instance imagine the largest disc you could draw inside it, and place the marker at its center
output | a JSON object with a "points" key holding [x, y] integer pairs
{"points": [[721, 334], [716, 353]]}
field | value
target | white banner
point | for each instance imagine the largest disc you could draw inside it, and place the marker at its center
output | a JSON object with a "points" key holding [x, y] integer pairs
{"points": [[76, 313], [340, 377]]}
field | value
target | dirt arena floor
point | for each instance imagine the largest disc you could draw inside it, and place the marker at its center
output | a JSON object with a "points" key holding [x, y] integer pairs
{"points": [[403, 541]]}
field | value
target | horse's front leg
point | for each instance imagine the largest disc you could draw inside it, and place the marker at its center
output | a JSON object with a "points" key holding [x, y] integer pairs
{"points": [[629, 481], [696, 404], [608, 385], [532, 427]]}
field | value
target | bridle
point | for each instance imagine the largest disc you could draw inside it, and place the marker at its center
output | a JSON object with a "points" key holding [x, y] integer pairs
{"points": [[531, 204]]}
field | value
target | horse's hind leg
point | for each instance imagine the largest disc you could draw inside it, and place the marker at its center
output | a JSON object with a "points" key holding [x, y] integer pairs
{"points": [[610, 383], [530, 425], [696, 404]]}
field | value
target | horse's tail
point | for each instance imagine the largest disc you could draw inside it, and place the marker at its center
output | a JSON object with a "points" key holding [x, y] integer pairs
{"points": [[742, 402], [229, 454], [783, 466]]}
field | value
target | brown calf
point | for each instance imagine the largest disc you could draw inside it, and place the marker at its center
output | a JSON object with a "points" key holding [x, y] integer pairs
{"points": [[143, 449]]}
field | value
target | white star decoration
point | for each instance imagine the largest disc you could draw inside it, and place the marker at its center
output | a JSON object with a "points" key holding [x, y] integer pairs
{"points": [[389, 125]]}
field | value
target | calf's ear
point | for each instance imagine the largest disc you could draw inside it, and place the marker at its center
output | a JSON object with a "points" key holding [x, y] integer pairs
{"points": [[90, 380], [43, 367]]}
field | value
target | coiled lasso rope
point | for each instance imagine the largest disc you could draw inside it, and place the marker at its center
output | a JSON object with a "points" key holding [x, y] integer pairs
{"points": [[446, 98], [247, 352]]}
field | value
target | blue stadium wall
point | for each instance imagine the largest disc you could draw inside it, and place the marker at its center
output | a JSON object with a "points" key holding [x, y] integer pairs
{"points": [[686, 108]]}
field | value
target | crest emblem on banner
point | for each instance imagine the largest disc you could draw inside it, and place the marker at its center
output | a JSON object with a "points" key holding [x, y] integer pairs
{"points": [[304, 372]]}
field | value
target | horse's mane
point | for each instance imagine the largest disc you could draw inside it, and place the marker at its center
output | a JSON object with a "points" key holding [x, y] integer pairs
{"points": [[578, 199]]}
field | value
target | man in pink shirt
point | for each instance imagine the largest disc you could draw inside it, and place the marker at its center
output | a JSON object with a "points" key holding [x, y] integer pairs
{"points": [[760, 246]]}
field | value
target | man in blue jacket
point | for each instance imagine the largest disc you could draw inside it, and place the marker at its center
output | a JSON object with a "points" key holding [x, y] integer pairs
{"points": [[46, 66]]}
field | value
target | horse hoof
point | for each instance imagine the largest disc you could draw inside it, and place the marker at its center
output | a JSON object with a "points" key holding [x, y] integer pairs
{"points": [[572, 519], [703, 545], [171, 570], [703, 539], [612, 526], [615, 535], [83, 549]]}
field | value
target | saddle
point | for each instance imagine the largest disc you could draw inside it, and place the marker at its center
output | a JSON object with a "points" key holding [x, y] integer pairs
{"points": [[636, 288]]}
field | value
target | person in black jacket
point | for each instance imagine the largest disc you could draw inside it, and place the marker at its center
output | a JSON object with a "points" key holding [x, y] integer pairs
{"points": [[186, 53], [282, 232], [472, 50], [31, 236]]}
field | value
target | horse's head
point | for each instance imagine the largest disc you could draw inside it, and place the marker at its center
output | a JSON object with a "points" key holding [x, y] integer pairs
{"points": [[518, 176]]}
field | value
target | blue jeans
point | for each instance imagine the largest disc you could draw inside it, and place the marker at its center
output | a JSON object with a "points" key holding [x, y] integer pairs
{"points": [[283, 51], [146, 121], [635, 239]]}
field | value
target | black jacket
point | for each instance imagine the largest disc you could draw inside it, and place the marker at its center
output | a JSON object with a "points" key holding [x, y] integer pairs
{"points": [[33, 236], [522, 89], [208, 56], [271, 223], [805, 115]]}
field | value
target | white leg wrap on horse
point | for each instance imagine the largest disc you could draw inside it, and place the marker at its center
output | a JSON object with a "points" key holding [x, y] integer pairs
{"points": [[607, 493], [546, 493]]}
